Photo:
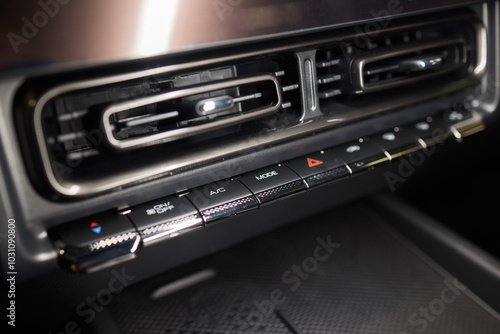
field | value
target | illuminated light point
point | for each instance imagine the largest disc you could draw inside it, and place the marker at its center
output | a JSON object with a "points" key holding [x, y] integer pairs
{"points": [[209, 106]]}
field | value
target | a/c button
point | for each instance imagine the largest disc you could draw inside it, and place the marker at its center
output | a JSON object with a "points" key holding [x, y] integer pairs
{"points": [[222, 199]]}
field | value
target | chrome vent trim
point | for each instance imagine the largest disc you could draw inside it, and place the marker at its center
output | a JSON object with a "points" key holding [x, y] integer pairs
{"points": [[172, 135]]}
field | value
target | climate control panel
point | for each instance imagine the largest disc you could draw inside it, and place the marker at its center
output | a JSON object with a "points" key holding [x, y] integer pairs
{"points": [[105, 239]]}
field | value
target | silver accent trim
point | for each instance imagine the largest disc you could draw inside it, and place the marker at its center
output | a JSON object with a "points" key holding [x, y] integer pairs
{"points": [[170, 228], [469, 126], [101, 254], [176, 134], [388, 155], [489, 98], [112, 241], [456, 134], [482, 49]]}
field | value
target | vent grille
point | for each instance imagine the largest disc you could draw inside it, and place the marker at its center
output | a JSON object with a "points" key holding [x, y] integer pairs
{"points": [[162, 109], [396, 61], [106, 132], [392, 66], [332, 73]]}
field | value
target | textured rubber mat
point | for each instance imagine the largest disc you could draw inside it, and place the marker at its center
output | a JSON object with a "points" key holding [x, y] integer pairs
{"points": [[340, 272]]}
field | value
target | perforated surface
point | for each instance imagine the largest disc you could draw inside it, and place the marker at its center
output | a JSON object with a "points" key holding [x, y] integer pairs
{"points": [[355, 277], [229, 209], [281, 191], [329, 175]]}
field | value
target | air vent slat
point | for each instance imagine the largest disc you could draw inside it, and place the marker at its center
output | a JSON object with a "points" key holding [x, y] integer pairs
{"points": [[329, 93], [72, 116], [247, 98], [382, 69], [149, 119], [327, 63], [70, 136], [77, 156], [290, 88], [329, 78]]}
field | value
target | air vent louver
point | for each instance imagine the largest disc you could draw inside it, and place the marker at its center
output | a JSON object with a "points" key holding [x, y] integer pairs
{"points": [[390, 67], [87, 133], [397, 61], [332, 77]]}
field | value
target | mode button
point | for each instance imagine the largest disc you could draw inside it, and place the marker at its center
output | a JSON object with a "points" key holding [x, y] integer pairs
{"points": [[273, 183]]}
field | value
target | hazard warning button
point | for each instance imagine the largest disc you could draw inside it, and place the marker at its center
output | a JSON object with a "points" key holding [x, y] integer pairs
{"points": [[313, 162], [319, 168]]}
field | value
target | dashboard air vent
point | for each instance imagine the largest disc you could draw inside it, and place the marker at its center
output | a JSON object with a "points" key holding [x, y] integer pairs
{"points": [[420, 59], [128, 123], [394, 66], [191, 110], [88, 131]]}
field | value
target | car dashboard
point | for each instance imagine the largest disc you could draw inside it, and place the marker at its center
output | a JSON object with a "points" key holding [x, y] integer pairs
{"points": [[243, 166]]}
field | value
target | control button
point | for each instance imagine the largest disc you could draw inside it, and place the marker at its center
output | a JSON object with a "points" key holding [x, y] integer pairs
{"points": [[273, 183], [222, 199], [361, 155], [93, 243], [463, 123], [319, 168], [430, 132], [165, 218], [397, 142], [456, 116]]}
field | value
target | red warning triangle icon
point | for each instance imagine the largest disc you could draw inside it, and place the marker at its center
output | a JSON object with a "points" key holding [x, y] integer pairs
{"points": [[314, 162]]}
